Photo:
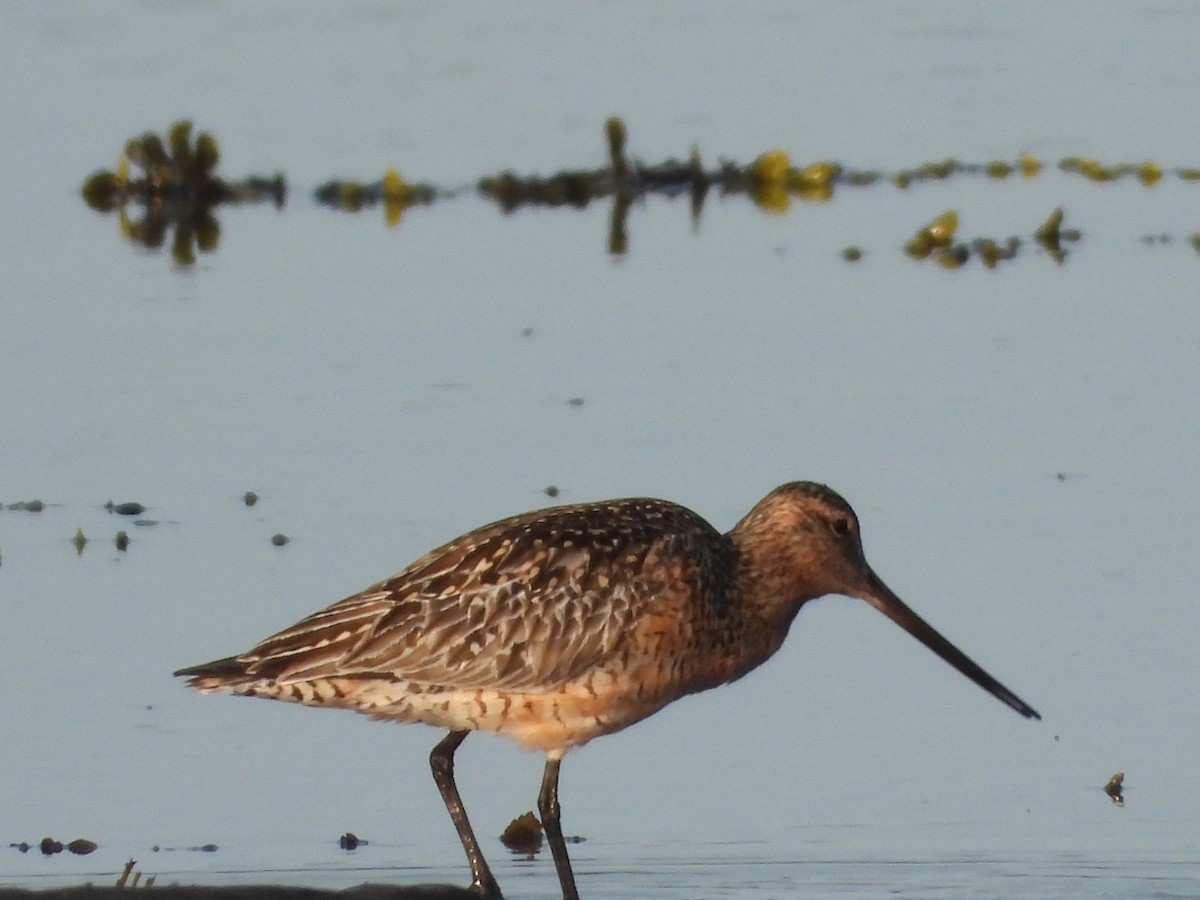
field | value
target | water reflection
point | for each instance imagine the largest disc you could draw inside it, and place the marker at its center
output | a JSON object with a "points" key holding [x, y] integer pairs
{"points": [[178, 192]]}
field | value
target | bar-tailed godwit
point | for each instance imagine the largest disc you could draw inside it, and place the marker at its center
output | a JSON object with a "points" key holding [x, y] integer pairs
{"points": [[561, 625]]}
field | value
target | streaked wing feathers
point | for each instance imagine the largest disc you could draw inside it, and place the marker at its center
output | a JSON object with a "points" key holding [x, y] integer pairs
{"points": [[526, 603]]}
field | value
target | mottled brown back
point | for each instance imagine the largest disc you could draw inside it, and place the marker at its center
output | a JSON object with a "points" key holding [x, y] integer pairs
{"points": [[527, 603]]}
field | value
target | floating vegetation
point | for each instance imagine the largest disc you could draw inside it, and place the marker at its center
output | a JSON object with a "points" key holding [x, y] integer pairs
{"points": [[768, 180], [936, 241], [178, 191], [249, 498], [28, 505], [1115, 789], [1148, 172], [122, 541], [80, 541], [936, 237], [1051, 235], [992, 253], [523, 834], [49, 846], [998, 169], [392, 191]]}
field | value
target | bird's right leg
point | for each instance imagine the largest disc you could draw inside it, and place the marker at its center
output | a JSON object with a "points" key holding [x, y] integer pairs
{"points": [[551, 821], [441, 760]]}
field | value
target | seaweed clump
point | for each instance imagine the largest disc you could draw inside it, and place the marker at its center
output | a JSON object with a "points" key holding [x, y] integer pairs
{"points": [[176, 190], [392, 191]]}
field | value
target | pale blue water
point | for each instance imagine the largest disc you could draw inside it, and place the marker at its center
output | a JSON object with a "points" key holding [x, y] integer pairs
{"points": [[374, 386]]}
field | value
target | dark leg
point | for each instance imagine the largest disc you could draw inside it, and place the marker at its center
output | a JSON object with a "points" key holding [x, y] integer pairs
{"points": [[441, 760], [548, 807]]}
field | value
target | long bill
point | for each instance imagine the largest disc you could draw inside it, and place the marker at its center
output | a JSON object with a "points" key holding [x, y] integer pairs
{"points": [[880, 596]]}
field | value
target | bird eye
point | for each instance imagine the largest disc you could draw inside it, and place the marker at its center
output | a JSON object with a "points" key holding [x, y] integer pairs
{"points": [[841, 527]]}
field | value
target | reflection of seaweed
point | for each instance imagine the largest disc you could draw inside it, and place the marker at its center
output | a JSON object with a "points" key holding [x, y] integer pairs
{"points": [[621, 179], [177, 190]]}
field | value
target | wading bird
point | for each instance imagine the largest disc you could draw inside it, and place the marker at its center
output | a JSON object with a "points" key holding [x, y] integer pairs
{"points": [[561, 625]]}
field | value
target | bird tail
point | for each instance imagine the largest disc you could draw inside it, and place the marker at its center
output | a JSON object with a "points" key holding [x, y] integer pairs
{"points": [[228, 674]]}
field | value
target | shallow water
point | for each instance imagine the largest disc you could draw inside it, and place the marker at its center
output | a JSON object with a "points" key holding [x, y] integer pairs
{"points": [[720, 870], [375, 387]]}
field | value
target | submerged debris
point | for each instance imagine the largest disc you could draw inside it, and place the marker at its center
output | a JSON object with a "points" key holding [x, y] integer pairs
{"points": [[125, 509]]}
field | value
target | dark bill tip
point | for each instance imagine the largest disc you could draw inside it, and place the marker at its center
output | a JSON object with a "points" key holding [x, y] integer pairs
{"points": [[881, 597]]}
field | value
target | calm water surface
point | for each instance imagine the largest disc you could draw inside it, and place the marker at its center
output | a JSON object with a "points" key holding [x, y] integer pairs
{"points": [[1019, 444]]}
